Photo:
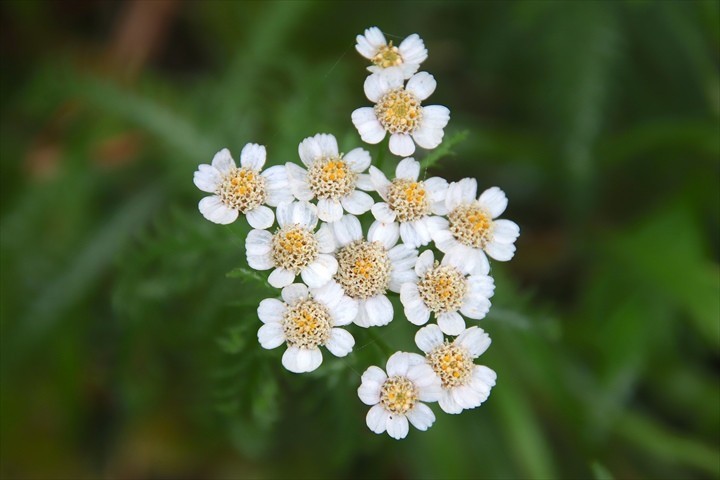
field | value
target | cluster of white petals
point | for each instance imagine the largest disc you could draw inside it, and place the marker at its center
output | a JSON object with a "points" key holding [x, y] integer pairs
{"points": [[427, 241]]}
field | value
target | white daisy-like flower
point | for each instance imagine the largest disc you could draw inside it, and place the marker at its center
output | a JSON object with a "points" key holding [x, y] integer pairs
{"points": [[465, 385], [398, 395], [409, 202], [305, 320], [295, 248], [398, 110], [241, 190], [331, 177], [406, 57], [367, 269], [446, 290], [472, 228]]}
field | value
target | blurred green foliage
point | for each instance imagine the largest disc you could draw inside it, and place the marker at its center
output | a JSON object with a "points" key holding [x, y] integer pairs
{"points": [[128, 321]]}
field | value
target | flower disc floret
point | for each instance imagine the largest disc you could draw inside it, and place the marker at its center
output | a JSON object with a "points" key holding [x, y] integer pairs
{"points": [[452, 364], [398, 395], [331, 178], [242, 189], [294, 247], [399, 111], [471, 225], [443, 289], [363, 269], [408, 199], [388, 56], [307, 324]]}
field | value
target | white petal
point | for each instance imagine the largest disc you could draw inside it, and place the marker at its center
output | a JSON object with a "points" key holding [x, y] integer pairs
{"points": [[305, 215], [297, 181], [422, 85], [271, 310], [368, 126], [413, 49], [260, 262], [501, 252], [428, 138], [400, 277], [340, 342], [325, 238], [293, 293], [382, 213], [425, 262], [280, 278], [371, 383], [358, 202], [457, 258], [380, 181], [398, 364], [474, 340], [284, 213], [444, 240], [347, 230], [364, 47], [451, 323], [385, 233], [379, 310], [319, 272], [378, 84], [223, 161], [421, 416], [329, 210], [505, 231], [345, 312], [330, 294], [494, 201], [401, 144], [377, 419], [217, 212], [364, 182], [410, 235], [416, 312], [277, 186], [258, 242], [475, 308], [253, 156], [448, 404], [300, 360], [461, 192], [206, 178], [358, 159], [485, 375], [403, 257], [328, 145], [429, 338], [408, 169], [271, 336], [310, 150], [435, 117], [260, 217], [481, 286], [397, 427]]}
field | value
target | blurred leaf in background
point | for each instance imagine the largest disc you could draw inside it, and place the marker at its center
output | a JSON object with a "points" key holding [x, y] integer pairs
{"points": [[129, 322]]}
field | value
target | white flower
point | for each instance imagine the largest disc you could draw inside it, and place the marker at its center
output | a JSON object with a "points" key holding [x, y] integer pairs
{"points": [[406, 57], [295, 248], [446, 290], [398, 110], [397, 396], [241, 190], [464, 384], [410, 202], [305, 320], [473, 228], [367, 269], [331, 177]]}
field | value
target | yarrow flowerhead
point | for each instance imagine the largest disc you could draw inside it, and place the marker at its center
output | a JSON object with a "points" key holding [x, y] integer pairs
{"points": [[331, 177], [409, 202], [305, 320], [398, 110], [464, 384], [244, 190], [397, 396], [473, 229], [406, 57]]}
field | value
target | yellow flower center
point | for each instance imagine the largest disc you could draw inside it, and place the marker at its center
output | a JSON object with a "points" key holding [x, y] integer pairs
{"points": [[399, 111], [398, 395], [331, 178], [471, 225], [408, 199], [452, 364], [242, 189], [307, 324], [294, 247], [387, 56], [443, 289], [363, 269]]}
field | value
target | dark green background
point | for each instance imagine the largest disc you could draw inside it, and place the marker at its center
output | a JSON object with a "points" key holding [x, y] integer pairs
{"points": [[128, 353]]}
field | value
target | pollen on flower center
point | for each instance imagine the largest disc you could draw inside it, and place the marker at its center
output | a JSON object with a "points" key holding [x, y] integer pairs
{"points": [[388, 56], [398, 395], [242, 189], [471, 225], [363, 269], [408, 200], [294, 247], [307, 324], [331, 178], [399, 111], [452, 364], [443, 289]]}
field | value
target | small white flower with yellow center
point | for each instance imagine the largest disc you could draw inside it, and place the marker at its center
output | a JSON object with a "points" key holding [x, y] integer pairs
{"points": [[473, 229], [295, 248], [367, 269], [305, 320], [398, 110], [409, 202], [244, 190], [406, 57], [332, 178], [397, 396], [465, 385], [446, 290]]}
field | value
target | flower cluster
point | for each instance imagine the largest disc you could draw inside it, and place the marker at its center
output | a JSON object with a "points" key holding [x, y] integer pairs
{"points": [[346, 274]]}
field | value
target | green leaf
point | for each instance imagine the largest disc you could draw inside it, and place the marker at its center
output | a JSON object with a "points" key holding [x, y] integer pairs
{"points": [[444, 150]]}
